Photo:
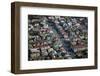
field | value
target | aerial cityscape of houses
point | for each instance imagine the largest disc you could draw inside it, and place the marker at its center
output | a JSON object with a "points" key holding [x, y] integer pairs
{"points": [[57, 37]]}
